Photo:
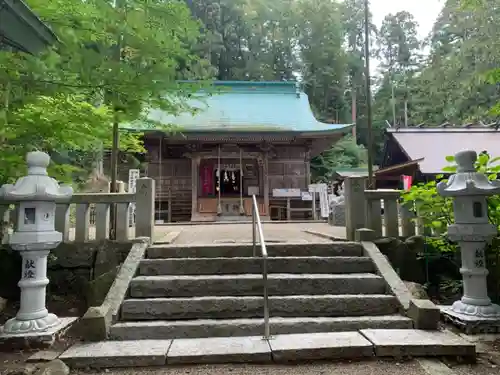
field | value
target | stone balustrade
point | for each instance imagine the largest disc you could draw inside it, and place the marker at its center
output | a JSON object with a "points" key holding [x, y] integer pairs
{"points": [[379, 210], [73, 219]]}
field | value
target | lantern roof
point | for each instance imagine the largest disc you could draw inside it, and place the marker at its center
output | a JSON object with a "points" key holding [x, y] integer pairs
{"points": [[467, 181], [37, 185]]}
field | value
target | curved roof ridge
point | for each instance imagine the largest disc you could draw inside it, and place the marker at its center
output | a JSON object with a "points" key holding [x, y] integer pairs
{"points": [[251, 107]]}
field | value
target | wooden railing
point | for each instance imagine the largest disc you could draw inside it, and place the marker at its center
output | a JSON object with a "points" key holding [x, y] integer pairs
{"points": [[379, 210], [73, 219]]}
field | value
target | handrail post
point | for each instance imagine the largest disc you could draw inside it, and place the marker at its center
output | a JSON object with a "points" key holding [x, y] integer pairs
{"points": [[267, 329], [257, 225], [254, 235]]}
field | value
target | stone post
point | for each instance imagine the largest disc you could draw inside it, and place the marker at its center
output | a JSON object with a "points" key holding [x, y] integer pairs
{"points": [[35, 236], [472, 231], [355, 205], [145, 207], [195, 178]]}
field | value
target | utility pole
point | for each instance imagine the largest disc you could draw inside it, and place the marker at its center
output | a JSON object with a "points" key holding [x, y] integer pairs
{"points": [[406, 112], [117, 56], [354, 116], [371, 184], [353, 112], [393, 100]]}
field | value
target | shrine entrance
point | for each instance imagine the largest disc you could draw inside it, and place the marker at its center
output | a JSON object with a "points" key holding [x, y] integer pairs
{"points": [[226, 184], [229, 182]]}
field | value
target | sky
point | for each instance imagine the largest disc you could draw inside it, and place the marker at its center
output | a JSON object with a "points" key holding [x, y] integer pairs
{"points": [[424, 11]]}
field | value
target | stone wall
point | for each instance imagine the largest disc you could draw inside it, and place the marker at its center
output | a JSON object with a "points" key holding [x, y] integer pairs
{"points": [[416, 261], [86, 270], [405, 257]]}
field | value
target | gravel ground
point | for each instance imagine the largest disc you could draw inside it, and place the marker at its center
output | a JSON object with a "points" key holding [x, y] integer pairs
{"points": [[338, 368]]}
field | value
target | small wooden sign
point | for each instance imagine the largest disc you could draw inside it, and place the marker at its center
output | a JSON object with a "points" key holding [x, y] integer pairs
{"points": [[286, 193]]}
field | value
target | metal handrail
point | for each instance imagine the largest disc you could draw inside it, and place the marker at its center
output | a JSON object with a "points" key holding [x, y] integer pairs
{"points": [[257, 228]]}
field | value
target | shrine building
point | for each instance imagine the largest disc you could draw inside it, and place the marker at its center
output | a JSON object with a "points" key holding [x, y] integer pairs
{"points": [[247, 139], [405, 154]]}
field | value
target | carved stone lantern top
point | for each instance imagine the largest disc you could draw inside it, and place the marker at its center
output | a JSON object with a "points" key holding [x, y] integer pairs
{"points": [[37, 185], [467, 181]]}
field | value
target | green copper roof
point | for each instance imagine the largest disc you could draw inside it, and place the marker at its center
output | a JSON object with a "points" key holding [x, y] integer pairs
{"points": [[244, 106], [21, 29]]}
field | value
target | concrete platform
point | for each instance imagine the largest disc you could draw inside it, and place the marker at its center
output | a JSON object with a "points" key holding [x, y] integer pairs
{"points": [[417, 343], [294, 347], [219, 350], [311, 346]]}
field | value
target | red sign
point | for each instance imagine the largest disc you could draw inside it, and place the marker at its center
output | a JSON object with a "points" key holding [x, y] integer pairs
{"points": [[207, 180], [407, 180]]}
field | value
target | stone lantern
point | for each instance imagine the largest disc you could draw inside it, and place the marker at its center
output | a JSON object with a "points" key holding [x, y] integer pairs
{"points": [[37, 195], [472, 231]]}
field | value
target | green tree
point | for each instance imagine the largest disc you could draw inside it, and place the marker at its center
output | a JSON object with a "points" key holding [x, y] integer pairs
{"points": [[458, 82], [398, 42], [399, 51], [344, 154], [322, 57], [353, 21], [115, 60], [247, 39]]}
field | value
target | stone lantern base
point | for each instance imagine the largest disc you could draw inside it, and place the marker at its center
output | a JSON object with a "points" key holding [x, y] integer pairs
{"points": [[16, 325], [38, 339], [473, 319]]}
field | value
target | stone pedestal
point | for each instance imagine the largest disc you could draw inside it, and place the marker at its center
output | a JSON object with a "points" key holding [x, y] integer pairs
{"points": [[474, 312], [338, 215], [32, 315], [34, 237]]}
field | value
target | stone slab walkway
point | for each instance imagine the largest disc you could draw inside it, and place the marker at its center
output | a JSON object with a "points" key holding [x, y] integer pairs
{"points": [[242, 232], [281, 348], [239, 232]]}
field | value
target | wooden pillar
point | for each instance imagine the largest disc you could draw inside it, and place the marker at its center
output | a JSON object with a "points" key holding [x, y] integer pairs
{"points": [[266, 183], [219, 177], [307, 161], [195, 177], [242, 208]]}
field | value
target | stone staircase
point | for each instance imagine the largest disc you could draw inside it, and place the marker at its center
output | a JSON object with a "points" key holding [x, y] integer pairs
{"points": [[200, 304], [217, 291]]}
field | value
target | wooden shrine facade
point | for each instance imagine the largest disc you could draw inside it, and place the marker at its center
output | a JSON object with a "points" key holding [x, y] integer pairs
{"points": [[208, 179], [244, 138]]}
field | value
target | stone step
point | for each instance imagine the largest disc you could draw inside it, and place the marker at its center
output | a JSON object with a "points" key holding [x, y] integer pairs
{"points": [[252, 285], [240, 265], [252, 307], [163, 329], [279, 348], [322, 249]]}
